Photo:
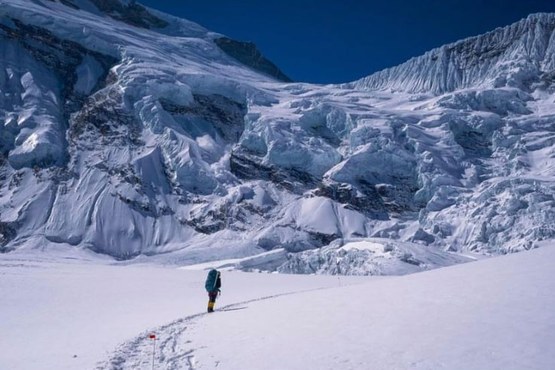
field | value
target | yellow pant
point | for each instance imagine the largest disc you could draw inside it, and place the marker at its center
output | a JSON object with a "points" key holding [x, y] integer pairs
{"points": [[212, 300]]}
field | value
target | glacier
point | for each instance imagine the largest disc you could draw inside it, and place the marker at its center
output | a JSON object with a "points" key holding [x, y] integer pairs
{"points": [[139, 135]]}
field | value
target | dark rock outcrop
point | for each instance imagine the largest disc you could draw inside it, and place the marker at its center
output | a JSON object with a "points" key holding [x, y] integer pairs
{"points": [[249, 55]]}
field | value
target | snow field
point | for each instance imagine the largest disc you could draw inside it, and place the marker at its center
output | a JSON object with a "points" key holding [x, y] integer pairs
{"points": [[70, 313], [78, 314]]}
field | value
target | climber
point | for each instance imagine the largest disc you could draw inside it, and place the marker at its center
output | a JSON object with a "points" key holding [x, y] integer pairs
{"points": [[213, 285]]}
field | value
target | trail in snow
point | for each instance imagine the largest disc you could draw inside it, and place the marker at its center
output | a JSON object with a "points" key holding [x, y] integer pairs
{"points": [[174, 349]]}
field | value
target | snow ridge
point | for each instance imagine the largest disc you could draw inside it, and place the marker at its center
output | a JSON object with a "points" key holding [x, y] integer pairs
{"points": [[510, 56]]}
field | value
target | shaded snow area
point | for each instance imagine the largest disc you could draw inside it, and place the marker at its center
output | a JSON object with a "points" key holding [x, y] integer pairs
{"points": [[142, 136], [81, 313]]}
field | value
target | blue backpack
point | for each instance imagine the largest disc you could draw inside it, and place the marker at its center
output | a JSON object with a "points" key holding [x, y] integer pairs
{"points": [[212, 280]]}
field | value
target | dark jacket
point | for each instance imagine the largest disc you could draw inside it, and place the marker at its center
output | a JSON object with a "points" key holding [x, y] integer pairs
{"points": [[213, 281]]}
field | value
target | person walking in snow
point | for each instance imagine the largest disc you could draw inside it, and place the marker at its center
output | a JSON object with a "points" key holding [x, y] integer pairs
{"points": [[213, 285]]}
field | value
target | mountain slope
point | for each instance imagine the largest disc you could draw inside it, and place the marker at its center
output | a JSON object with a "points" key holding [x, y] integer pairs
{"points": [[132, 138]]}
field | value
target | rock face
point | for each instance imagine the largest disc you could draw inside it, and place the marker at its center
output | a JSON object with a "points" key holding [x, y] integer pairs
{"points": [[248, 54], [132, 138], [129, 11]]}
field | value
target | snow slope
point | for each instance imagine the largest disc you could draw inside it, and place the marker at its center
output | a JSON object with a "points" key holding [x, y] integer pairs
{"points": [[70, 310], [136, 134], [77, 313], [493, 314]]}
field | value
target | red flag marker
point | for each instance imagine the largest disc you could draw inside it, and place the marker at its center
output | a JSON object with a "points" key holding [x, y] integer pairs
{"points": [[153, 337]]}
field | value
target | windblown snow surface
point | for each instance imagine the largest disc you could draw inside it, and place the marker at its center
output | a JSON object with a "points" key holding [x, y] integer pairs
{"points": [[80, 313], [132, 133]]}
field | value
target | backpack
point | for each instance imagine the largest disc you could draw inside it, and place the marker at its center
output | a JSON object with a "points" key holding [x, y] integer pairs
{"points": [[212, 280]]}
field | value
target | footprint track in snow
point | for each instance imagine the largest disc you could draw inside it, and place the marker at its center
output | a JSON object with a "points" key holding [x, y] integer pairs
{"points": [[173, 350]]}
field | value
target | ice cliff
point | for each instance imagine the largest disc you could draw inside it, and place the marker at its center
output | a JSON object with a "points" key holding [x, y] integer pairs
{"points": [[513, 56]]}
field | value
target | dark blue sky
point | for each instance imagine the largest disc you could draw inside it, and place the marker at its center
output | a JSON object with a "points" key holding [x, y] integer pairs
{"points": [[328, 41]]}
